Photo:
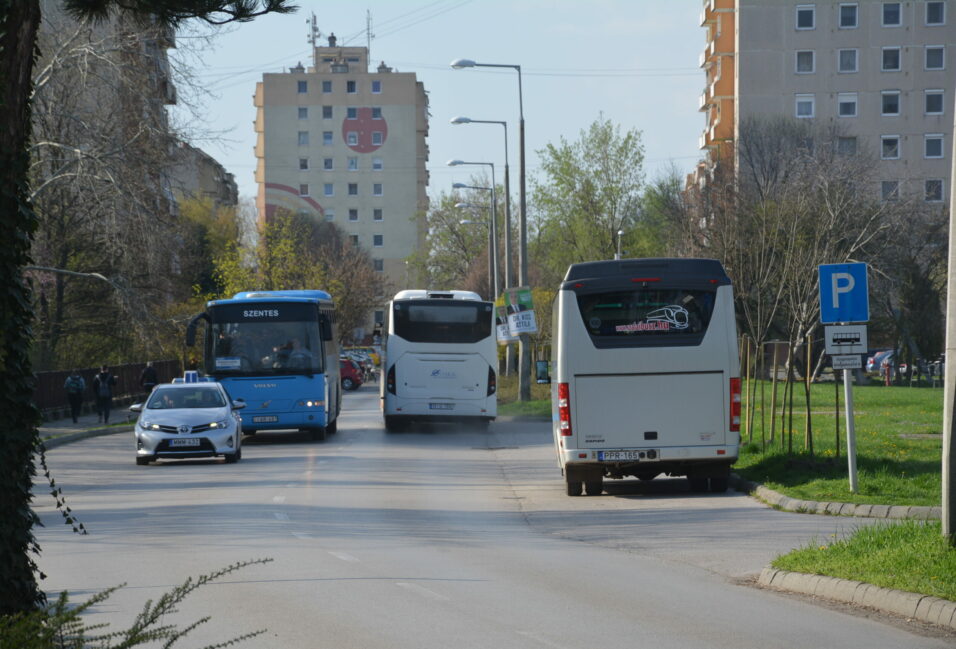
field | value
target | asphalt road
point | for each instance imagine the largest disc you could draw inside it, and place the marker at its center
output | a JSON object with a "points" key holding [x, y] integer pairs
{"points": [[440, 537]]}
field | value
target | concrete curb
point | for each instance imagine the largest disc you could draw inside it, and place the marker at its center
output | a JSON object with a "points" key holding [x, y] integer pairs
{"points": [[53, 442], [924, 608]]}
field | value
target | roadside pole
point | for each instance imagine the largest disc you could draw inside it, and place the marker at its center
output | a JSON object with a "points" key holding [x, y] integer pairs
{"points": [[949, 382], [850, 429]]}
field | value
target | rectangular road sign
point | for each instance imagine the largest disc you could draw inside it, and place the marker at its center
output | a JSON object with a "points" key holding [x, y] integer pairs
{"points": [[844, 295], [852, 362], [845, 339]]}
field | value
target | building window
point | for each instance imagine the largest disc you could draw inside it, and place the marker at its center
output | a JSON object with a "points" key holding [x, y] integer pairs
{"points": [[351, 87], [328, 189], [933, 145], [848, 15], [353, 189], [351, 138], [304, 189], [303, 164], [376, 112], [379, 317], [353, 214], [891, 59], [846, 104], [804, 62], [303, 112], [327, 164], [804, 106], [890, 147], [377, 214], [806, 16], [890, 105], [376, 86], [376, 189], [377, 164], [351, 112], [353, 239], [935, 57], [353, 164], [377, 137], [846, 145], [890, 190], [847, 60], [933, 104], [303, 87], [378, 265], [303, 138], [326, 86], [327, 138], [935, 13], [933, 190], [892, 15], [326, 112], [329, 214], [378, 240]]}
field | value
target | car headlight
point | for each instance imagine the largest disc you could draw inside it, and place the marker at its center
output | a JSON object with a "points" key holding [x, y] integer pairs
{"points": [[220, 424], [146, 425]]}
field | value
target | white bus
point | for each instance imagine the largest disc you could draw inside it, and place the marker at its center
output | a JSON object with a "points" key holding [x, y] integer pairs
{"points": [[440, 358], [646, 377]]}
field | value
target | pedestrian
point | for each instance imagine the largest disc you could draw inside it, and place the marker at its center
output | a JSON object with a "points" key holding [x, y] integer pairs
{"points": [[74, 386], [103, 389], [148, 379]]}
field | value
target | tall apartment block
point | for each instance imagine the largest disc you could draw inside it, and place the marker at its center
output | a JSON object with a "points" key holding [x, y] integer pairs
{"points": [[883, 72], [347, 145]]}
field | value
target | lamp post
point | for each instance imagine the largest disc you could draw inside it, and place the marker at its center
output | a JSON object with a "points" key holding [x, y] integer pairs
{"points": [[524, 375], [491, 255], [494, 220], [620, 233]]}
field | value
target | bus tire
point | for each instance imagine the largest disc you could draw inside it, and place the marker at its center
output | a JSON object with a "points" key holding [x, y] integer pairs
{"points": [[392, 425], [719, 485], [332, 428], [594, 487], [317, 433], [574, 487]]}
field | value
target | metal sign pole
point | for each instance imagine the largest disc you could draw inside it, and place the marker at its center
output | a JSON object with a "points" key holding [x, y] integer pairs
{"points": [[850, 429]]}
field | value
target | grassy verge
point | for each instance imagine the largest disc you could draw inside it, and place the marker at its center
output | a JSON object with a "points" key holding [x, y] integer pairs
{"points": [[508, 404], [910, 556]]}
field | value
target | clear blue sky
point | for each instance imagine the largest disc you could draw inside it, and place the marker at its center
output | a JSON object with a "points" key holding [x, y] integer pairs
{"points": [[635, 61]]}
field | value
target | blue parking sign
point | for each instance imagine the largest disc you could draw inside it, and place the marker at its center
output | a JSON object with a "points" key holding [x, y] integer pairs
{"points": [[844, 295]]}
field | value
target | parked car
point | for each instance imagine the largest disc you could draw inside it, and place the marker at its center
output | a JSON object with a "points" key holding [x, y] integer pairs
{"points": [[188, 420], [352, 374], [371, 352], [875, 362]]}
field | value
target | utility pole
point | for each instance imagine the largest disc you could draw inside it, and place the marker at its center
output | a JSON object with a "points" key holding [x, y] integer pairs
{"points": [[949, 382]]}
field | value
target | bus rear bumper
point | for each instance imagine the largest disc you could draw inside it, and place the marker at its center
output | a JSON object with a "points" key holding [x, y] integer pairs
{"points": [[711, 461], [439, 409]]}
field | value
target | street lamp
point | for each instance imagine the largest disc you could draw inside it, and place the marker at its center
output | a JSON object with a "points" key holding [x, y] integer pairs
{"points": [[620, 233], [494, 219], [524, 376], [492, 280]]}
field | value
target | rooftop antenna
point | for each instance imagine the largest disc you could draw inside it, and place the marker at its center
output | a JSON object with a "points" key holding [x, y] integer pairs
{"points": [[313, 37], [368, 33]]}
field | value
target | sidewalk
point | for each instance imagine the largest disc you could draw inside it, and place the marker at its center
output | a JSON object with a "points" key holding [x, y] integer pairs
{"points": [[63, 431]]}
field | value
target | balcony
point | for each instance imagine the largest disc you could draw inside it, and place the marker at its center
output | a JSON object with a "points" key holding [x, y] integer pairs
{"points": [[703, 102]]}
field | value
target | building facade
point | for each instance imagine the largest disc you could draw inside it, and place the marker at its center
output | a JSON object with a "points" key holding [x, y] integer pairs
{"points": [[881, 72], [347, 145]]}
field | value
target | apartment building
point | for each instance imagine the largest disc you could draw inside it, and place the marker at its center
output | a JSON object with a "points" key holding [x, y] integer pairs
{"points": [[882, 71], [347, 145]]}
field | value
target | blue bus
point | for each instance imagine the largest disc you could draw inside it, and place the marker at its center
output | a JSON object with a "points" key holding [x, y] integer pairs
{"points": [[277, 351]]}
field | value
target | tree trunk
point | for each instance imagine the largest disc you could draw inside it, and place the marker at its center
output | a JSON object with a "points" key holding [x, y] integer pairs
{"points": [[19, 591]]}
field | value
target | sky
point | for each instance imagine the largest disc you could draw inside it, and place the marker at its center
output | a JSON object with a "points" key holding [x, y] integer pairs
{"points": [[634, 62]]}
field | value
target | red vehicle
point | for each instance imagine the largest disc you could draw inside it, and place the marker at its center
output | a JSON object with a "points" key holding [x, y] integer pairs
{"points": [[351, 374]]}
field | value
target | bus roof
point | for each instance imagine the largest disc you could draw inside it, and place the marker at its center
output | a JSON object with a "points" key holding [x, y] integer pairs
{"points": [[423, 294], [650, 268], [272, 296]]}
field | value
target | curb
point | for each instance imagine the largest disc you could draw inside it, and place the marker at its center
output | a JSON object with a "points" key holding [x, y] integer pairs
{"points": [[53, 442], [925, 608]]}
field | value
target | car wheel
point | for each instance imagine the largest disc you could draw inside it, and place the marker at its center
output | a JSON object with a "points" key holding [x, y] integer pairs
{"points": [[348, 383], [143, 460]]}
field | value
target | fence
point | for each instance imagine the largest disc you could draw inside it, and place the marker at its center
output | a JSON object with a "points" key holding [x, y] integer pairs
{"points": [[51, 398]]}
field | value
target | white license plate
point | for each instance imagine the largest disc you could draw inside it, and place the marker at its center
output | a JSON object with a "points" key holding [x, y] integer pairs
{"points": [[271, 419], [441, 406], [612, 456], [184, 441]]}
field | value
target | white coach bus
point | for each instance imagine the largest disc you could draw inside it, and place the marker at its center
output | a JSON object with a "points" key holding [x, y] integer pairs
{"points": [[646, 377], [440, 358]]}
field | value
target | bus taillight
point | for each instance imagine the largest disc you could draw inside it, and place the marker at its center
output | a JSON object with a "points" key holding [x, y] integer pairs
{"points": [[390, 380], [735, 405], [492, 381], [564, 409]]}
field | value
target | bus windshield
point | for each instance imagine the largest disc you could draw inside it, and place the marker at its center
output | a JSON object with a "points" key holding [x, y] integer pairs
{"points": [[646, 316], [441, 321], [261, 348]]}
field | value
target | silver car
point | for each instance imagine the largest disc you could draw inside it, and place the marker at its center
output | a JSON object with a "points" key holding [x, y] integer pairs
{"points": [[186, 420]]}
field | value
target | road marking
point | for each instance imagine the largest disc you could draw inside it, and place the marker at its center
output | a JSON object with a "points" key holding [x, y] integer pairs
{"points": [[300, 535], [344, 556], [280, 516], [278, 499], [421, 590], [532, 635], [290, 485]]}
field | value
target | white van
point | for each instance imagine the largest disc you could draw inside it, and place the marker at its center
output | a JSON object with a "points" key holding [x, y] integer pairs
{"points": [[646, 377]]}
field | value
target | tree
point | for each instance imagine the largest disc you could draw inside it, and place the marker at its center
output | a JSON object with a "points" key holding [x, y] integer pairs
{"points": [[19, 22]]}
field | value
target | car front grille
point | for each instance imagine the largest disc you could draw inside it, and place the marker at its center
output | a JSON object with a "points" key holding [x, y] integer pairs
{"points": [[174, 430]]}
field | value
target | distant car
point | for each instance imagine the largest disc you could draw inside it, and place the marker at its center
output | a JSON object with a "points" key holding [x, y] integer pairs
{"points": [[188, 420], [875, 362], [371, 352], [352, 374]]}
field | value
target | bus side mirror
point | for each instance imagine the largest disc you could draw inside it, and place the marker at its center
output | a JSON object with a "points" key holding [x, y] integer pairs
{"points": [[541, 373], [325, 329], [191, 329]]}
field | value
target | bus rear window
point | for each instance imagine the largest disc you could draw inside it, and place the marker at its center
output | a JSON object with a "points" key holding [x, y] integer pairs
{"points": [[647, 316], [442, 321]]}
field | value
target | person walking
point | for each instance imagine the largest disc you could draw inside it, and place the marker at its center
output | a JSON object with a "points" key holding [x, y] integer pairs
{"points": [[74, 386], [103, 389], [148, 378]]}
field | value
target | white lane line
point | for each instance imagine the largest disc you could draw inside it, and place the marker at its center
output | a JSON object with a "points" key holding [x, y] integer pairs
{"points": [[300, 535], [343, 556], [421, 590], [278, 499], [280, 516], [290, 485], [531, 635]]}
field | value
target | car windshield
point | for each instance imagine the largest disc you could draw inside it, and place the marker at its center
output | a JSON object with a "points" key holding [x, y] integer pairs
{"points": [[199, 397]]}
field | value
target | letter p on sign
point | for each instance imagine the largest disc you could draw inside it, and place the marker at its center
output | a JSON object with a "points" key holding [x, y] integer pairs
{"points": [[844, 295]]}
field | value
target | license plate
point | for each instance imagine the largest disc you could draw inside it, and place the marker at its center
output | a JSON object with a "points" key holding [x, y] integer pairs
{"points": [[184, 441], [441, 406], [613, 456], [271, 419]]}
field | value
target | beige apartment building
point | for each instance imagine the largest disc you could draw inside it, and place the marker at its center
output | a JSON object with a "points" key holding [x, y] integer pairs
{"points": [[347, 145], [882, 71]]}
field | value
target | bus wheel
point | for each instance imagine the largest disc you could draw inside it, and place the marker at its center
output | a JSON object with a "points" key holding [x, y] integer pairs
{"points": [[317, 433], [392, 425], [594, 487], [718, 485], [697, 484], [332, 428], [574, 487]]}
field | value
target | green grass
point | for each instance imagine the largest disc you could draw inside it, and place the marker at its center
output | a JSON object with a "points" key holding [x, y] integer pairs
{"points": [[508, 404], [909, 555]]}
